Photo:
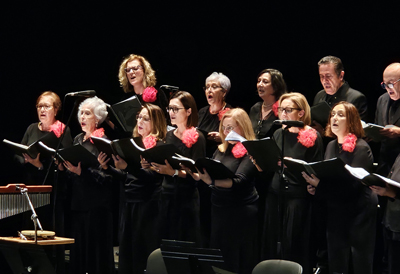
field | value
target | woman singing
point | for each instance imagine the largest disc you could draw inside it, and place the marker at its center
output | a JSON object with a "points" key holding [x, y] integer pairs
{"points": [[234, 201], [139, 229], [90, 190], [288, 202], [351, 206], [180, 198]]}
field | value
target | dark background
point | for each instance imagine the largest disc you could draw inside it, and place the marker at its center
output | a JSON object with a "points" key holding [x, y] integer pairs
{"points": [[67, 47]]}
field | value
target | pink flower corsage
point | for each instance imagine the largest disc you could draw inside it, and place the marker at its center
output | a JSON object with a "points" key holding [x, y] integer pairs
{"points": [[149, 94], [149, 141], [239, 150], [57, 128], [97, 133], [190, 136], [275, 108], [222, 112], [307, 137], [349, 142]]}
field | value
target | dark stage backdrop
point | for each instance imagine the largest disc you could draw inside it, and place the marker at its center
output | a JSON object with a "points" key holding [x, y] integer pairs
{"points": [[67, 47]]}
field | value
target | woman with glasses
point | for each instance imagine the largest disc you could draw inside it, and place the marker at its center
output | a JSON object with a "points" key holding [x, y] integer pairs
{"points": [[180, 197], [287, 217], [90, 192], [216, 88], [139, 227], [351, 206], [234, 200], [270, 87], [48, 105], [136, 75]]}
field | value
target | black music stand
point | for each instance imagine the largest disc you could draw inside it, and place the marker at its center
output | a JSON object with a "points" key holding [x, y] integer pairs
{"points": [[185, 258]]}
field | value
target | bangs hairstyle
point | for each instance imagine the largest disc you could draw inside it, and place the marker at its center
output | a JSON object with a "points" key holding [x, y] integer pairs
{"points": [[242, 120], [301, 102], [222, 79], [97, 106], [54, 96], [149, 75], [157, 120], [338, 65], [187, 101], [352, 118], [277, 82]]}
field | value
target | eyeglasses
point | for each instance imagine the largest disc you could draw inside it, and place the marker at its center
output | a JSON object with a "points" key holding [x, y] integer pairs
{"points": [[144, 118], [287, 110], [174, 109], [213, 87], [45, 107], [259, 127], [389, 85], [228, 128], [132, 69]]}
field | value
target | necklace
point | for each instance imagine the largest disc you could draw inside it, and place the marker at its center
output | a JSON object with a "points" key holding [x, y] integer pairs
{"points": [[269, 106]]}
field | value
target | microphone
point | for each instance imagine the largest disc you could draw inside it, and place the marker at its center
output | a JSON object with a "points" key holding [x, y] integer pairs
{"points": [[84, 93], [289, 123], [169, 87]]}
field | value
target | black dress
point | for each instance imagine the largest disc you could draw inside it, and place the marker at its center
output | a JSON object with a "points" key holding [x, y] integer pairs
{"points": [[34, 176], [180, 197], [262, 127], [294, 200], [351, 212], [140, 228], [207, 122], [91, 218], [234, 214]]}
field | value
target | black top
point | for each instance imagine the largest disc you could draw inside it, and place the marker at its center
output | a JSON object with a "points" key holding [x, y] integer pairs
{"points": [[387, 113], [32, 134], [93, 187], [140, 185], [262, 128], [209, 122], [293, 148], [198, 150], [345, 93], [160, 101], [344, 188], [242, 191]]}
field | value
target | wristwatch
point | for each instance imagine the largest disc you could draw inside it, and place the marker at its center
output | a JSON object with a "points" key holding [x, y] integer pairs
{"points": [[176, 173]]}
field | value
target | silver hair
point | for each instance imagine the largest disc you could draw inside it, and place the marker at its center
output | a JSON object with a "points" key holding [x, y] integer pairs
{"points": [[222, 79], [98, 107]]}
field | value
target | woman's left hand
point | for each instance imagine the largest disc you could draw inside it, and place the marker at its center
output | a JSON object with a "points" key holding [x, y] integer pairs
{"points": [[312, 180], [103, 160], [163, 169], [214, 135], [384, 191]]}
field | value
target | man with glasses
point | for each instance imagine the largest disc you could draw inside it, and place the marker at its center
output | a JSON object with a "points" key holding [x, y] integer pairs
{"points": [[336, 89], [388, 113]]}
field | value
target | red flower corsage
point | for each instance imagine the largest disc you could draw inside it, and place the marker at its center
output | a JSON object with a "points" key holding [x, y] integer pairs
{"points": [[349, 142], [149, 94], [222, 112], [307, 137], [57, 128], [149, 141], [275, 108], [239, 150], [97, 133], [190, 136]]}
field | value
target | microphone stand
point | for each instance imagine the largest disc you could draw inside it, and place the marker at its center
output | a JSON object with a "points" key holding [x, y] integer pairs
{"points": [[282, 181], [34, 217]]}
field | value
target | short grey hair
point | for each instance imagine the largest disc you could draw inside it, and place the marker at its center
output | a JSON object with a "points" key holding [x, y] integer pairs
{"points": [[98, 107], [222, 79]]}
